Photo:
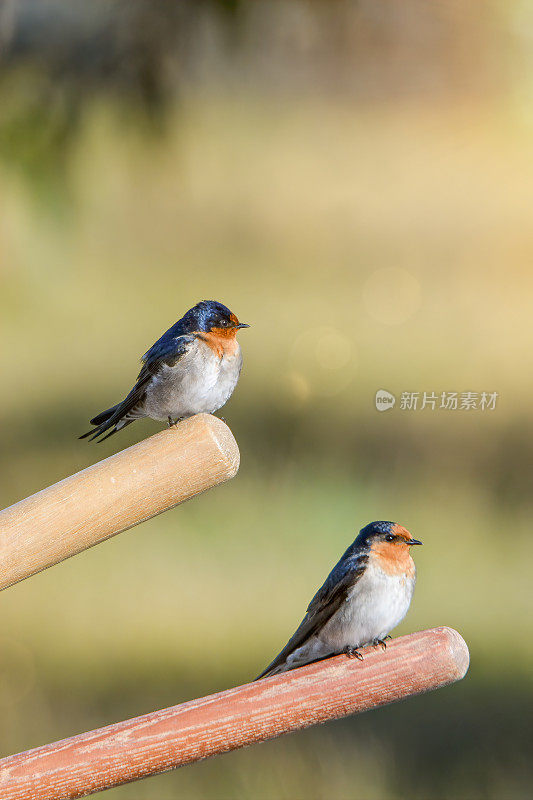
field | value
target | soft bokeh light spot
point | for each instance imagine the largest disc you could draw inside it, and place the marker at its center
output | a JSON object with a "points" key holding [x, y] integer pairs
{"points": [[333, 350], [325, 356], [298, 388], [392, 295]]}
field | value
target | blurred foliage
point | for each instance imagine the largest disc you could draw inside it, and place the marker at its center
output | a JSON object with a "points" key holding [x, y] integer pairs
{"points": [[59, 58], [354, 180]]}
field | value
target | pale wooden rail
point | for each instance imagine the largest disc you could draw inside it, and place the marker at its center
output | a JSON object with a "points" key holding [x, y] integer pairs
{"points": [[114, 494], [237, 717]]}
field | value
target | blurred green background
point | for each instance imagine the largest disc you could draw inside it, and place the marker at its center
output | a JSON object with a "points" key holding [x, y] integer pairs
{"points": [[356, 181]]}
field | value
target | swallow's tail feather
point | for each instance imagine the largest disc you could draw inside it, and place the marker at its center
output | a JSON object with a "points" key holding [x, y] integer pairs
{"points": [[86, 434], [112, 420], [280, 663], [117, 417], [118, 427], [94, 433], [99, 422], [104, 416], [271, 670]]}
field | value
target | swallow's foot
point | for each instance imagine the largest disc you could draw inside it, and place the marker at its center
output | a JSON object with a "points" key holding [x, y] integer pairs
{"points": [[352, 652], [172, 422], [381, 642]]}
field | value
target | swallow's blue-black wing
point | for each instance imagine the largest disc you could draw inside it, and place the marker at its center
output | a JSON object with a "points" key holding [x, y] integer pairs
{"points": [[326, 601], [173, 341], [166, 351]]}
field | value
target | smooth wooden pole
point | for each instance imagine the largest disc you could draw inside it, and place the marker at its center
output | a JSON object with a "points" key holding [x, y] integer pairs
{"points": [[237, 717], [114, 494]]}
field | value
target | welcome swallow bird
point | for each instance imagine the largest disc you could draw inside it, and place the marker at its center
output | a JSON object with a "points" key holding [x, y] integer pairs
{"points": [[366, 594], [193, 368]]}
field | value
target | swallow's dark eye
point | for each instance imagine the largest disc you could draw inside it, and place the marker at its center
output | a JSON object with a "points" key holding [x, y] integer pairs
{"points": [[389, 537]]}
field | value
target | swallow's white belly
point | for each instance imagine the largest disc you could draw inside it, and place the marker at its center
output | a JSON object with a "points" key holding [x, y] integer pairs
{"points": [[376, 605], [200, 382]]}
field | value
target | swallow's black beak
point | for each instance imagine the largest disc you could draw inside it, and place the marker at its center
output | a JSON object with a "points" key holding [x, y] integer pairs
{"points": [[242, 325], [414, 541]]}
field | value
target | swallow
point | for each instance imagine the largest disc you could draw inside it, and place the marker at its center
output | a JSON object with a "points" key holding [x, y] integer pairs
{"points": [[366, 594], [193, 368]]}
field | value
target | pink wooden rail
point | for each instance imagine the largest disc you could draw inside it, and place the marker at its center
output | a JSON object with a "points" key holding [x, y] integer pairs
{"points": [[234, 718]]}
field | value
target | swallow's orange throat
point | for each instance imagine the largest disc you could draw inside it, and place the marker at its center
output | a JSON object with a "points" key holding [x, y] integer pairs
{"points": [[222, 341], [393, 558], [225, 333]]}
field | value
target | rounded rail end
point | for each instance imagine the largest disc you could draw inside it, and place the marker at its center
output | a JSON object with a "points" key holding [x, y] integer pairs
{"points": [[458, 650], [221, 435]]}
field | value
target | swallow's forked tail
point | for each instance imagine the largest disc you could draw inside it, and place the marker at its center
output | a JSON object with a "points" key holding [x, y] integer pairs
{"points": [[270, 671], [104, 421]]}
